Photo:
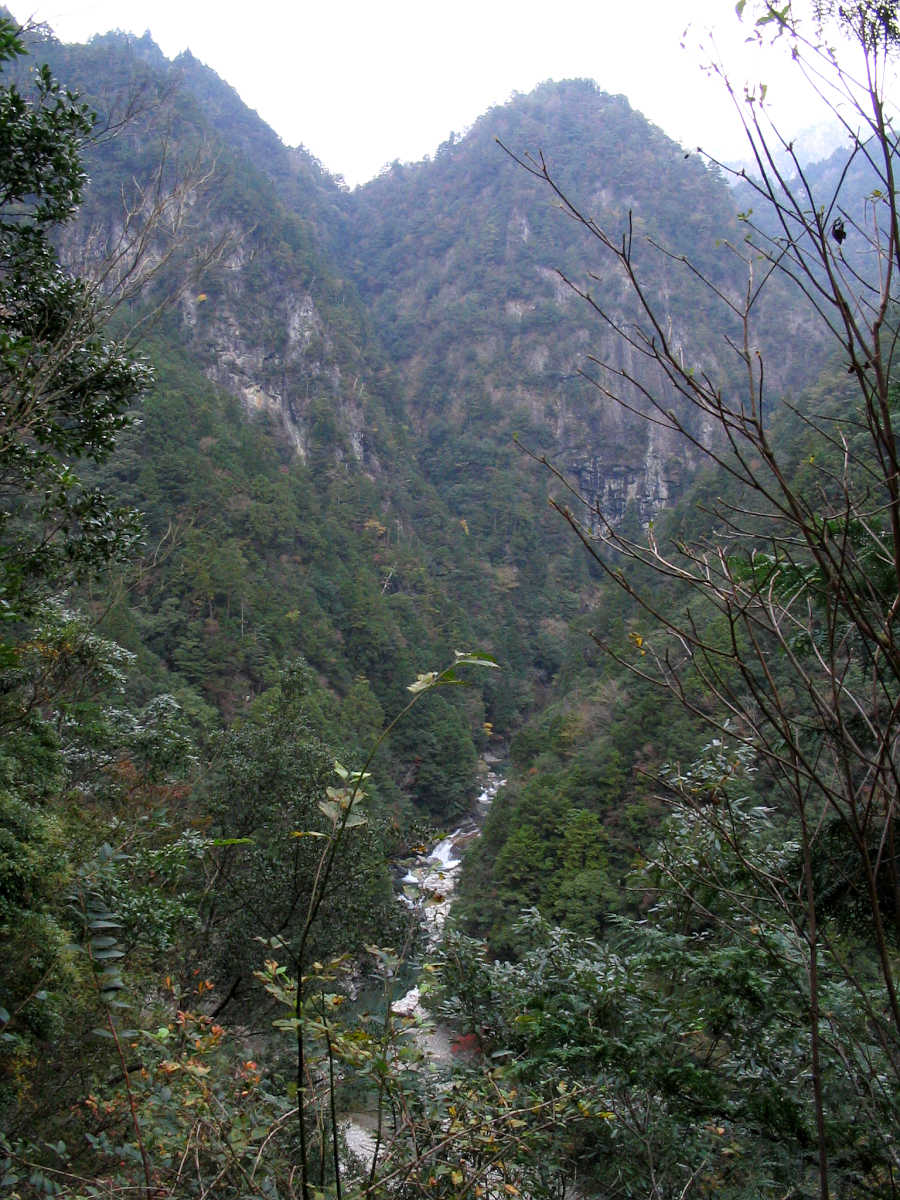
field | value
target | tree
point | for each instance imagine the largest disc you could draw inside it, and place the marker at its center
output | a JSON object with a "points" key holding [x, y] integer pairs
{"points": [[780, 627], [65, 386], [268, 781]]}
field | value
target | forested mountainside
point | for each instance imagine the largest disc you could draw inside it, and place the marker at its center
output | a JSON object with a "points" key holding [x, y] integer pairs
{"points": [[264, 459], [460, 259], [276, 458], [417, 321]]}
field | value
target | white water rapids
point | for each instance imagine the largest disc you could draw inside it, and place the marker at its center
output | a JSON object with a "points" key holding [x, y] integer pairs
{"points": [[428, 886]]}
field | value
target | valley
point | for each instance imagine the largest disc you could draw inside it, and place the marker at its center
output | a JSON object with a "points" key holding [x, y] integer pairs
{"points": [[561, 451]]}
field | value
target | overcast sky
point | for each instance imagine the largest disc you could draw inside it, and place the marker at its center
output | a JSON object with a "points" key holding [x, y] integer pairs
{"points": [[361, 83]]}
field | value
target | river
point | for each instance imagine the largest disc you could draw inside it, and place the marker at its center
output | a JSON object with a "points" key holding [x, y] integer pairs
{"points": [[428, 886]]}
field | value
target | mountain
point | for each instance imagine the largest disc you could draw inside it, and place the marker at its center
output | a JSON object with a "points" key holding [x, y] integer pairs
{"points": [[461, 260], [360, 402], [399, 354]]}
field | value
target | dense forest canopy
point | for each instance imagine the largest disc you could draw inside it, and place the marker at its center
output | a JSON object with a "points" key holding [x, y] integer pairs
{"points": [[279, 583]]}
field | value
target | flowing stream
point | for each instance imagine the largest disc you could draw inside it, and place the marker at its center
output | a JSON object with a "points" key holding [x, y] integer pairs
{"points": [[428, 886]]}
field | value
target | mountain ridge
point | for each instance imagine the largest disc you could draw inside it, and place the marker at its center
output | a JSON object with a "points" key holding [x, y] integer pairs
{"points": [[408, 337]]}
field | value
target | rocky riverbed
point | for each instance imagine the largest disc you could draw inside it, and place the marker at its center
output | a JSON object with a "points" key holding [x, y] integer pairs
{"points": [[429, 886]]}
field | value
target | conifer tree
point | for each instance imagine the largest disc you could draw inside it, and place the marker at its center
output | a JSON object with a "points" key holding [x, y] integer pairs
{"points": [[65, 385]]}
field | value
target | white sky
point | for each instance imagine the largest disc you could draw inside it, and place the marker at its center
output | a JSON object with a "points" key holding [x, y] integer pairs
{"points": [[361, 83]]}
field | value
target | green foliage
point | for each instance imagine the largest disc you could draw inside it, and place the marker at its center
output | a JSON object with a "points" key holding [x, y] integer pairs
{"points": [[196, 1087], [267, 791], [475, 1131], [579, 805], [65, 386], [34, 868], [173, 831], [689, 1025]]}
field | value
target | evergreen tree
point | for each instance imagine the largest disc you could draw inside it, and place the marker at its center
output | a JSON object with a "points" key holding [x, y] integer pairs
{"points": [[64, 385]]}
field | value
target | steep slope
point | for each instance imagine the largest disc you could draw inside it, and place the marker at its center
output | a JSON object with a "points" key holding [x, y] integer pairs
{"points": [[265, 310], [460, 259], [261, 306], [388, 346], [266, 458]]}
